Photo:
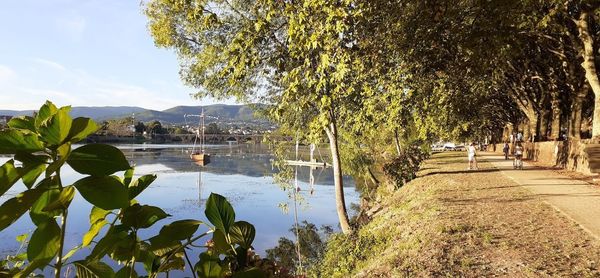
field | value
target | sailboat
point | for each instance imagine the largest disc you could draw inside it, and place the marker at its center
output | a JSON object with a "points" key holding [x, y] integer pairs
{"points": [[200, 156]]}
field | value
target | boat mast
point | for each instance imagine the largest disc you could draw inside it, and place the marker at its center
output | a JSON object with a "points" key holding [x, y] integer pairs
{"points": [[202, 139]]}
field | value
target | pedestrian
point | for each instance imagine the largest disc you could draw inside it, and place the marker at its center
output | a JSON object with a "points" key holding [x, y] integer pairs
{"points": [[471, 154], [518, 162], [506, 149], [519, 137]]}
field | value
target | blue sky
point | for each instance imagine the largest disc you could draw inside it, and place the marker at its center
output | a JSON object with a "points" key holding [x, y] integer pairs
{"points": [[84, 53]]}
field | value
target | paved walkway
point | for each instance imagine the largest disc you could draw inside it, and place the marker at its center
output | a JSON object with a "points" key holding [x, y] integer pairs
{"points": [[577, 199]]}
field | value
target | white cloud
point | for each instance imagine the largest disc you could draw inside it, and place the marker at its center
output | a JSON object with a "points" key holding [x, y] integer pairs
{"points": [[6, 74], [49, 63], [51, 80]]}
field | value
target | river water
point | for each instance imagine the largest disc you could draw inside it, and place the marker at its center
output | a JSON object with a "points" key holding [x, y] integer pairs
{"points": [[242, 173]]}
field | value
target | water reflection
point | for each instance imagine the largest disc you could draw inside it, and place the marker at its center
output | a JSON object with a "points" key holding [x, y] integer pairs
{"points": [[241, 173], [252, 160]]}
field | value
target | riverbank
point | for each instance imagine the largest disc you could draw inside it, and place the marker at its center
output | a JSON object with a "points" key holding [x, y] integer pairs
{"points": [[454, 222]]}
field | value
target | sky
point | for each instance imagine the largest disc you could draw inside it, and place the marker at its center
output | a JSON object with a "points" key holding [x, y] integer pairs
{"points": [[85, 53]]}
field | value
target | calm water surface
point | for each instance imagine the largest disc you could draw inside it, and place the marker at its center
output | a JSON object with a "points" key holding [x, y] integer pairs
{"points": [[241, 173]]}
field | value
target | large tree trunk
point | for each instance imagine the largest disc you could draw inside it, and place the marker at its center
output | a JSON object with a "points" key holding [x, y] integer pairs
{"points": [[556, 111], [589, 65], [533, 130], [544, 124], [340, 202], [575, 125], [526, 130]]}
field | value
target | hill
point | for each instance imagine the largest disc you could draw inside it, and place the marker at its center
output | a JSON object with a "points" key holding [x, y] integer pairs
{"points": [[174, 115]]}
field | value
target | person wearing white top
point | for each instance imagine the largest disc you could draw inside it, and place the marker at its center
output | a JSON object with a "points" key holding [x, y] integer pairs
{"points": [[472, 153]]}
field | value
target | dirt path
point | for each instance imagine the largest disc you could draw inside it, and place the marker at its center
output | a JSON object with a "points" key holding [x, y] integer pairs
{"points": [[452, 222], [577, 199]]}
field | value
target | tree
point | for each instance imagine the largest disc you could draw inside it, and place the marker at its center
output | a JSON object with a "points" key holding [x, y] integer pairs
{"points": [[294, 56], [140, 127], [213, 128]]}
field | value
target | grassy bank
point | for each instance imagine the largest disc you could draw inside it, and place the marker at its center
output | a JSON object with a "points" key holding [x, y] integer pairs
{"points": [[452, 222]]}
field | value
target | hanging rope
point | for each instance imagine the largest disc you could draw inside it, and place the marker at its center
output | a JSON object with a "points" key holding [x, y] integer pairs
{"points": [[298, 253], [296, 189], [320, 155]]}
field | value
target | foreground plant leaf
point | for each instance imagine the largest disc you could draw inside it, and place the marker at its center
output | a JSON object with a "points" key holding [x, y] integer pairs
{"points": [[219, 212], [81, 128], [104, 192], [22, 122], [208, 266], [140, 185], [44, 242], [13, 140], [97, 221], [63, 201], [8, 176], [37, 213], [242, 233], [93, 269], [55, 129], [126, 272], [250, 273], [140, 217], [181, 229], [45, 113], [14, 208], [98, 160]]}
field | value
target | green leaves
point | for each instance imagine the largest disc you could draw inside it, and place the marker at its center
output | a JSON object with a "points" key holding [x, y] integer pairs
{"points": [[13, 140], [97, 160], [105, 192], [45, 112], [97, 221], [63, 201], [219, 212], [43, 144], [139, 185], [8, 176], [44, 242], [14, 208], [81, 128], [55, 129], [208, 266], [181, 229], [22, 122], [93, 269], [139, 217], [37, 213], [250, 273], [242, 233]]}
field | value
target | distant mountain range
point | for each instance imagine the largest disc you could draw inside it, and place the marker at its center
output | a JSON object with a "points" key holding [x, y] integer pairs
{"points": [[175, 115]]}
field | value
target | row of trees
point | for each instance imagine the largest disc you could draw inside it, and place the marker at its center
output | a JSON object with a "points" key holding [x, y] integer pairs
{"points": [[372, 74]]}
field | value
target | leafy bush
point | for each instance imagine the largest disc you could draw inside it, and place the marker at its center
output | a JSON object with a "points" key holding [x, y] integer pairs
{"points": [[404, 168], [344, 253], [312, 248], [43, 144]]}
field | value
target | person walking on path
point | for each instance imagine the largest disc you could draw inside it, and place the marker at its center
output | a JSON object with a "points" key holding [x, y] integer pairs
{"points": [[518, 162], [506, 149], [471, 154]]}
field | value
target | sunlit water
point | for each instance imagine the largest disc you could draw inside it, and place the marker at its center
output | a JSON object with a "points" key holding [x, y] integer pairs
{"points": [[242, 173]]}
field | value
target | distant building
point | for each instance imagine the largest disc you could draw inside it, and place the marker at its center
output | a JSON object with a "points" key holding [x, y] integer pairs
{"points": [[4, 119]]}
